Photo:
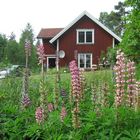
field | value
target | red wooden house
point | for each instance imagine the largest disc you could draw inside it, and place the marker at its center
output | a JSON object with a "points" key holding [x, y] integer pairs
{"points": [[83, 39]]}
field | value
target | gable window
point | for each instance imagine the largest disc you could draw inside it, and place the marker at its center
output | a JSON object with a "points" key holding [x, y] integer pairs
{"points": [[85, 36], [84, 60]]}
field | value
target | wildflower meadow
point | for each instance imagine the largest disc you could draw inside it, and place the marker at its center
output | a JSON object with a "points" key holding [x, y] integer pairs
{"points": [[75, 105]]}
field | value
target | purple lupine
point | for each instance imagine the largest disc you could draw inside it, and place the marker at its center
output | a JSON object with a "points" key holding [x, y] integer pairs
{"points": [[39, 115], [76, 91], [25, 101], [25, 85], [63, 93], [63, 113], [41, 54], [131, 83], [119, 69], [27, 48]]}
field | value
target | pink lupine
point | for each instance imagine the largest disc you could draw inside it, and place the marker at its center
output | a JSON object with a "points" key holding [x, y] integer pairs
{"points": [[43, 94], [137, 98], [96, 98], [82, 82], [76, 91], [41, 54], [131, 83], [119, 69], [39, 115], [75, 78], [50, 107], [63, 113]]}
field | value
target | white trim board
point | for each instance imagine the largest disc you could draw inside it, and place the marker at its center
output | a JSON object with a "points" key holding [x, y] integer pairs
{"points": [[77, 19]]}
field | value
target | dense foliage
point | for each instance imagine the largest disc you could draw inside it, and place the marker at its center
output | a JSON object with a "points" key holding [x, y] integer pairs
{"points": [[12, 52], [131, 39]]}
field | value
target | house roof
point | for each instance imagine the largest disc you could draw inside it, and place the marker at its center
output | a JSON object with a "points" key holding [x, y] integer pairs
{"points": [[77, 19], [49, 32]]}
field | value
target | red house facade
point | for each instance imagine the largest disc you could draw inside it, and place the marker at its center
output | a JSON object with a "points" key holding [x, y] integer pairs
{"points": [[83, 39]]}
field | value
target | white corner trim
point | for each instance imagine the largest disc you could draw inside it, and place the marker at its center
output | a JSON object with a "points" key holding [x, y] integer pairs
{"points": [[113, 42], [57, 57], [78, 18]]}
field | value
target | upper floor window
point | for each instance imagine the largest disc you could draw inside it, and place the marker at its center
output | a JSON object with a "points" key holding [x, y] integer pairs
{"points": [[85, 36]]}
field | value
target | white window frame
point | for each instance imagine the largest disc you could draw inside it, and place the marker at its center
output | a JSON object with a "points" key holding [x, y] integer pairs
{"points": [[84, 60], [84, 30]]}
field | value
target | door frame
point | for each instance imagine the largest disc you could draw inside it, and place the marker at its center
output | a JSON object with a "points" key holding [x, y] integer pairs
{"points": [[48, 60]]}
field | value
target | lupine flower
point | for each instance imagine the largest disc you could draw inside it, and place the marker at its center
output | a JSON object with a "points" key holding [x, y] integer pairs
{"points": [[63, 113], [95, 99], [25, 101], [119, 69], [131, 83], [82, 82], [75, 78], [137, 98], [43, 99], [27, 48], [41, 54], [105, 95], [39, 115], [75, 118], [43, 94], [50, 107], [63, 93], [76, 90], [56, 91]]}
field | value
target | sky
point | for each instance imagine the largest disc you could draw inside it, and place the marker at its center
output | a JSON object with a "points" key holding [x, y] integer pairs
{"points": [[15, 14]]}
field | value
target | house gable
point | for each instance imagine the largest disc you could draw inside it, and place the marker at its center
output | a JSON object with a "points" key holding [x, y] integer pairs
{"points": [[68, 42], [77, 19]]}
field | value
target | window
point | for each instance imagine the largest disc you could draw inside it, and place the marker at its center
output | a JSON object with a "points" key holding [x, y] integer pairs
{"points": [[84, 60], [85, 36]]}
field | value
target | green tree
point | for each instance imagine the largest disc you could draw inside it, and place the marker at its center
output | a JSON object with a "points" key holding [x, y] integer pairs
{"points": [[12, 52], [115, 20], [131, 39], [27, 34], [3, 45], [121, 12]]}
